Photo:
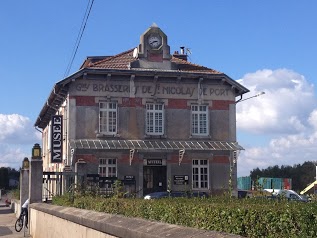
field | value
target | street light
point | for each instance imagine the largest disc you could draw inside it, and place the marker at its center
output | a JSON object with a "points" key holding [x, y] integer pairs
{"points": [[26, 163], [240, 100], [36, 151]]}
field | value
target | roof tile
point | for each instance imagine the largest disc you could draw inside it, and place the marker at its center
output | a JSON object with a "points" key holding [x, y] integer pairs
{"points": [[123, 60]]}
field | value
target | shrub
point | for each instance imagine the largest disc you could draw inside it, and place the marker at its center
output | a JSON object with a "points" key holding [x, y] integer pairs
{"points": [[245, 217]]}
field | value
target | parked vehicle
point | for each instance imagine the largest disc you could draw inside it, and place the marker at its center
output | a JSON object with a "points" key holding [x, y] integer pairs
{"points": [[166, 194], [244, 193], [156, 195], [288, 194]]}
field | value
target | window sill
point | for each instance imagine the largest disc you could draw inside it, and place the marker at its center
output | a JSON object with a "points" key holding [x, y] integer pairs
{"points": [[102, 135], [200, 137], [155, 137]]}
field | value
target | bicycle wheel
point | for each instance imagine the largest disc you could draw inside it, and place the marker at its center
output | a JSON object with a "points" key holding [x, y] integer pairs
{"points": [[19, 224]]}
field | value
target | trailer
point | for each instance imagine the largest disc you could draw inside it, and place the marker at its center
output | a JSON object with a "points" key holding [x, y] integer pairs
{"points": [[275, 183]]}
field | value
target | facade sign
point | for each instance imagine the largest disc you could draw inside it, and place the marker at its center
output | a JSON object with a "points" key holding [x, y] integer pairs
{"points": [[154, 162], [57, 139], [180, 179], [129, 177], [129, 180], [163, 90]]}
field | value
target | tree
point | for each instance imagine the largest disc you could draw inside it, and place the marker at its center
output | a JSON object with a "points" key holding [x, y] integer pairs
{"points": [[6, 174], [301, 175], [4, 178], [307, 174]]}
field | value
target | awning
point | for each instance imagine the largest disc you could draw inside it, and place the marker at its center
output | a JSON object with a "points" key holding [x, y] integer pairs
{"points": [[154, 145]]}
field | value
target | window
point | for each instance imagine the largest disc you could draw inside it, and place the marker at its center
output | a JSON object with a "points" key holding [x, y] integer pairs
{"points": [[154, 119], [199, 120], [107, 167], [108, 117], [200, 174]]}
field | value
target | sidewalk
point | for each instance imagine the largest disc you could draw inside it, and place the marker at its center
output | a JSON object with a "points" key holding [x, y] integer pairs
{"points": [[7, 222]]}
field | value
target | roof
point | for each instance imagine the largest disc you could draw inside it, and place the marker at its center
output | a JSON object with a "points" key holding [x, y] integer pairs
{"points": [[154, 145], [124, 59]]}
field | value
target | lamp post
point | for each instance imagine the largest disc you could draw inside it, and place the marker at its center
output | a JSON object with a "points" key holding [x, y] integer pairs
{"points": [[36, 174], [256, 95], [24, 180], [36, 151], [232, 162], [26, 163]]}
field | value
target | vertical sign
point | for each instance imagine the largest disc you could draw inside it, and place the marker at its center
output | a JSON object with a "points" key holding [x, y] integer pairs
{"points": [[57, 139]]}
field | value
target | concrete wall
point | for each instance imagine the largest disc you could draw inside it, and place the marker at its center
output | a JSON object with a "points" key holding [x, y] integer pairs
{"points": [[52, 221], [16, 207]]}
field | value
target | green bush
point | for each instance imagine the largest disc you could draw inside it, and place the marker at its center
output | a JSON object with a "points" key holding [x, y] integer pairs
{"points": [[245, 217], [15, 193]]}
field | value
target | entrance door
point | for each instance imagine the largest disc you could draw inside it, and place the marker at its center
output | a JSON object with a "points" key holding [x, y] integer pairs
{"points": [[154, 179]]}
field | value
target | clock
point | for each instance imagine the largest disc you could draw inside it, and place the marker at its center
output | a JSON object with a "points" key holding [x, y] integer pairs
{"points": [[155, 41]]}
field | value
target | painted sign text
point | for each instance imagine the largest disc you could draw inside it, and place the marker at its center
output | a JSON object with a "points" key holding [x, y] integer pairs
{"points": [[57, 139], [188, 91]]}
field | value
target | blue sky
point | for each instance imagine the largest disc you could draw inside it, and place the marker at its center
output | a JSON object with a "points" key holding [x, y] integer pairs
{"points": [[267, 45]]}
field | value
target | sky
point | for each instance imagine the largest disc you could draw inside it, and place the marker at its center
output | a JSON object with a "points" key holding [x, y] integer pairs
{"points": [[267, 46]]}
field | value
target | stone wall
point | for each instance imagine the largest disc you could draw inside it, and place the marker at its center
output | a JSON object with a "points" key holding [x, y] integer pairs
{"points": [[63, 222]]}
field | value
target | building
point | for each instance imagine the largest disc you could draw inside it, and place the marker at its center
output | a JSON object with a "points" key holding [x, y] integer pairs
{"points": [[145, 116]]}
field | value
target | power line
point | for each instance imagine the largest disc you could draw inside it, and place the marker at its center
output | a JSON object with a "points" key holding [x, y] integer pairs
{"points": [[79, 36]]}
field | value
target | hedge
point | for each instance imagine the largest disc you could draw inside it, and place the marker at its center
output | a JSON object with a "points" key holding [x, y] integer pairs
{"points": [[245, 217]]}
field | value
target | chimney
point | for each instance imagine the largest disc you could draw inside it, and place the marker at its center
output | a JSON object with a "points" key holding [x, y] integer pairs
{"points": [[181, 55], [182, 50]]}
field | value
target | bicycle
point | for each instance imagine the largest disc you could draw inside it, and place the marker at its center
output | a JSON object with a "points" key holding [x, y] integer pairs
{"points": [[20, 222]]}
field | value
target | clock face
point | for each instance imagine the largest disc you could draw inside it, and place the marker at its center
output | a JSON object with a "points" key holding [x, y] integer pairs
{"points": [[155, 41]]}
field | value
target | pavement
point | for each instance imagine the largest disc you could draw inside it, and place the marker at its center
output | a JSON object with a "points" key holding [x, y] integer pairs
{"points": [[7, 222]]}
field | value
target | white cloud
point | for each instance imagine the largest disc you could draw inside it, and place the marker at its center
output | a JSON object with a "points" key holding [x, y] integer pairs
{"points": [[287, 113], [288, 150], [17, 129], [12, 156], [313, 119], [17, 136], [285, 106]]}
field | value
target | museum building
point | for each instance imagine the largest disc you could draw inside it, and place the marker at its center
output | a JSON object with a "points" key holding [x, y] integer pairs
{"points": [[147, 116]]}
